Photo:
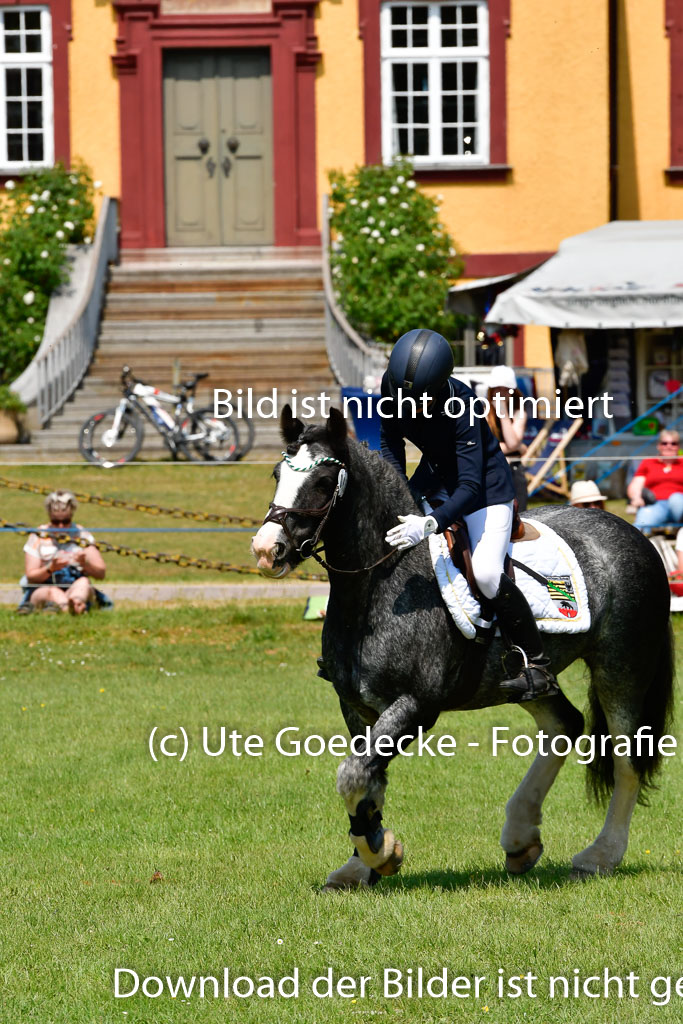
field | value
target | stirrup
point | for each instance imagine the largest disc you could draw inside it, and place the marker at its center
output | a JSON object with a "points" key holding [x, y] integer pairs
{"points": [[534, 680]]}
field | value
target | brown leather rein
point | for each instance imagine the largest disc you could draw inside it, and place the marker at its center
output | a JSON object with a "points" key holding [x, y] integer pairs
{"points": [[308, 549]]}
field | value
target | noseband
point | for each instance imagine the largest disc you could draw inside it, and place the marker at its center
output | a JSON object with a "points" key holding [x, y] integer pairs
{"points": [[278, 513]]}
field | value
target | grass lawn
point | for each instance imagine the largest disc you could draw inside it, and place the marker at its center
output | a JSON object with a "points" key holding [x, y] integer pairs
{"points": [[233, 489], [244, 843]]}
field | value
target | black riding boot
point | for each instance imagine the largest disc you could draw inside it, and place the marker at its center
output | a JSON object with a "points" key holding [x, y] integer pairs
{"points": [[520, 633]]}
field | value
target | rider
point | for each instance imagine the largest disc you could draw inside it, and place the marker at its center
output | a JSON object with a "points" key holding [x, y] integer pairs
{"points": [[466, 476]]}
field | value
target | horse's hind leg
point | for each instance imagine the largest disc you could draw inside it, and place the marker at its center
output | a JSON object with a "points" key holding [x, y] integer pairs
{"points": [[521, 836], [608, 849]]}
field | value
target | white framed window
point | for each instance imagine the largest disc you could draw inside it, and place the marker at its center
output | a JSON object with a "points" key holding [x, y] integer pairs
{"points": [[435, 82], [26, 114]]}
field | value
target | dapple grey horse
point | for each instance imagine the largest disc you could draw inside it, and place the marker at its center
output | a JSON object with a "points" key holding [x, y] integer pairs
{"points": [[396, 659]]}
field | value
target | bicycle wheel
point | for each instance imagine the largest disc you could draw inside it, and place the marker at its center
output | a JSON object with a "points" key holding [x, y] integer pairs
{"points": [[205, 438], [246, 427], [98, 442]]}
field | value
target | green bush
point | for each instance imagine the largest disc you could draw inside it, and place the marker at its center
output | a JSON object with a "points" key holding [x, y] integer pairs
{"points": [[40, 216], [392, 259]]}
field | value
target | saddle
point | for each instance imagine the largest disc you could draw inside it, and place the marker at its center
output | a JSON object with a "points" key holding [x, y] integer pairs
{"points": [[460, 550]]}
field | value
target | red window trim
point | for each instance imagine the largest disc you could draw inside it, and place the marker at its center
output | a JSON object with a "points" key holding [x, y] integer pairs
{"points": [[60, 11], [674, 30], [143, 35], [499, 30], [495, 264]]}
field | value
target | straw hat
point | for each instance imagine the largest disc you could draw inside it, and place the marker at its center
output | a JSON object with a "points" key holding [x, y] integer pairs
{"points": [[585, 491]]}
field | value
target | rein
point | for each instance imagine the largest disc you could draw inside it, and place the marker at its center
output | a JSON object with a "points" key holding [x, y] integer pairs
{"points": [[278, 515]]}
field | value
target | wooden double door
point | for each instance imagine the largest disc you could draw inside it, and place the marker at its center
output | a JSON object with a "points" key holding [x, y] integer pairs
{"points": [[218, 147]]}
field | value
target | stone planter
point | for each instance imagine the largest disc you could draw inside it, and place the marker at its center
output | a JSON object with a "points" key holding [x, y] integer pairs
{"points": [[9, 429]]}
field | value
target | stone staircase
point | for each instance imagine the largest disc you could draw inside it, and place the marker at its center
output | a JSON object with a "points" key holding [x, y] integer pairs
{"points": [[251, 318]]}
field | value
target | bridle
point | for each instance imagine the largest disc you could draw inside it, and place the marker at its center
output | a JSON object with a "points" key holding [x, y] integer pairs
{"points": [[309, 547]]}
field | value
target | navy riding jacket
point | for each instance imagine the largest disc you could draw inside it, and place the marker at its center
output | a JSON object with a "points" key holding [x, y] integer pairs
{"points": [[464, 460]]}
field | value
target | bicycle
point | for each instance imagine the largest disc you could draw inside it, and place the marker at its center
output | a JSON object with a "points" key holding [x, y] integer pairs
{"points": [[115, 436]]}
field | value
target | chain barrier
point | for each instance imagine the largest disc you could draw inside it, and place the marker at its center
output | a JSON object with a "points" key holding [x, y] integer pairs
{"points": [[135, 506], [183, 561]]}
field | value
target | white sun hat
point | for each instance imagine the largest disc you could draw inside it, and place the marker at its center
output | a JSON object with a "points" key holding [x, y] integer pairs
{"points": [[502, 377], [584, 491]]}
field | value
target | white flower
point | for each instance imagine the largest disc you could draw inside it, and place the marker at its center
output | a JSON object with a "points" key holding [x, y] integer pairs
{"points": [[405, 206], [421, 273], [364, 205], [353, 202], [44, 254], [354, 259], [394, 190], [439, 198], [72, 202], [54, 209], [7, 261], [380, 241], [30, 209], [87, 240], [41, 209], [374, 259], [330, 212], [419, 247], [452, 252], [365, 231], [9, 185], [59, 234], [69, 225], [400, 179], [34, 197], [45, 195], [371, 220], [97, 184], [410, 184], [375, 233], [29, 298], [395, 232], [381, 200], [36, 337], [73, 179], [30, 320]]}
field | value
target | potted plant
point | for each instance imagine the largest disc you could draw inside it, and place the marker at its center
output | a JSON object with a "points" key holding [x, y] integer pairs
{"points": [[11, 408]]}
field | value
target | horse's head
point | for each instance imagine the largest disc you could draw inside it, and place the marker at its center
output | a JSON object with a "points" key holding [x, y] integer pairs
{"points": [[310, 480]]}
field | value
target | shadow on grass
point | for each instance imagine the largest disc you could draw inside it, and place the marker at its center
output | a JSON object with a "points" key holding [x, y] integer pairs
{"points": [[551, 875]]}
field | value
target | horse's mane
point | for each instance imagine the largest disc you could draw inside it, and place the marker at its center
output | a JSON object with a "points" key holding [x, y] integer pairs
{"points": [[387, 487]]}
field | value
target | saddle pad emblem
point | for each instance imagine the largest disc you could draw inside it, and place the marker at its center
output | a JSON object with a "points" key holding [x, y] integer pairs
{"points": [[561, 591]]}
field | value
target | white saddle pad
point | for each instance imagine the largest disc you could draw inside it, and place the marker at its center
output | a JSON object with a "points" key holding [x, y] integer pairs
{"points": [[559, 607]]}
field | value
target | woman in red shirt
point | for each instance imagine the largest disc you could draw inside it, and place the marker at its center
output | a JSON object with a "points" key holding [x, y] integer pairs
{"points": [[663, 477]]}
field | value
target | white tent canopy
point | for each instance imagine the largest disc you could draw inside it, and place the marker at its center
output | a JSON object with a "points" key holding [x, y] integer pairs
{"points": [[624, 274]]}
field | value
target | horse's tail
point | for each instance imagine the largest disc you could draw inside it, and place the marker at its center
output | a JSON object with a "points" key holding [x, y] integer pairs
{"points": [[656, 714]]}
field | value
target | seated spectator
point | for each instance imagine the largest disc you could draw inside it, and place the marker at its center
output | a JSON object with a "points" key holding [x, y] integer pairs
{"points": [[586, 494], [57, 567], [656, 491]]}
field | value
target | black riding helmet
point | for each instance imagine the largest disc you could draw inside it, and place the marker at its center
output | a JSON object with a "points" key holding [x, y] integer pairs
{"points": [[421, 362]]}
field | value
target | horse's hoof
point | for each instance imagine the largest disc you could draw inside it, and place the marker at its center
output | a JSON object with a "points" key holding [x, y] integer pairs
{"points": [[520, 863], [393, 865], [352, 875]]}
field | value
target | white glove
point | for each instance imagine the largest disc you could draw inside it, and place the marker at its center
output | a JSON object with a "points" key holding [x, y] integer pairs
{"points": [[412, 530]]}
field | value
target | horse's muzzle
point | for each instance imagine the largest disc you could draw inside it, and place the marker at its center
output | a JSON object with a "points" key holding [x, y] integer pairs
{"points": [[269, 549]]}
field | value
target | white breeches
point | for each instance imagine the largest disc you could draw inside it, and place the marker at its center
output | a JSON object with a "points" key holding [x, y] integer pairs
{"points": [[489, 530]]}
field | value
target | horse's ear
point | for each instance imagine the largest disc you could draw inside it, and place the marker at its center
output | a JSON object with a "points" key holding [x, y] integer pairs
{"points": [[290, 428], [336, 428]]}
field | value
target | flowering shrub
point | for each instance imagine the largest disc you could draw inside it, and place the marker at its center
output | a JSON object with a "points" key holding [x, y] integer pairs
{"points": [[39, 216], [392, 259]]}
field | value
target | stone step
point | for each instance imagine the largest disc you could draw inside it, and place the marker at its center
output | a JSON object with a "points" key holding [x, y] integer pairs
{"points": [[274, 331], [128, 283]]}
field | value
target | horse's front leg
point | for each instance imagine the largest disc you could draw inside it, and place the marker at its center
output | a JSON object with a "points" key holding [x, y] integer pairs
{"points": [[361, 781], [521, 837]]}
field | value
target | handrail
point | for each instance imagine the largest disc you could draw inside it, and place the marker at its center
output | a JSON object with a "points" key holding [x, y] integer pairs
{"points": [[63, 365], [351, 358]]}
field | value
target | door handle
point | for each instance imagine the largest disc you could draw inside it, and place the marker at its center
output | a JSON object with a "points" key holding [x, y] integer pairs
{"points": [[226, 165], [211, 166], [203, 146], [233, 144]]}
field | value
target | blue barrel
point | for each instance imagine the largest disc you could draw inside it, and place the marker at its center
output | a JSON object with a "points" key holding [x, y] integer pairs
{"points": [[366, 426]]}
